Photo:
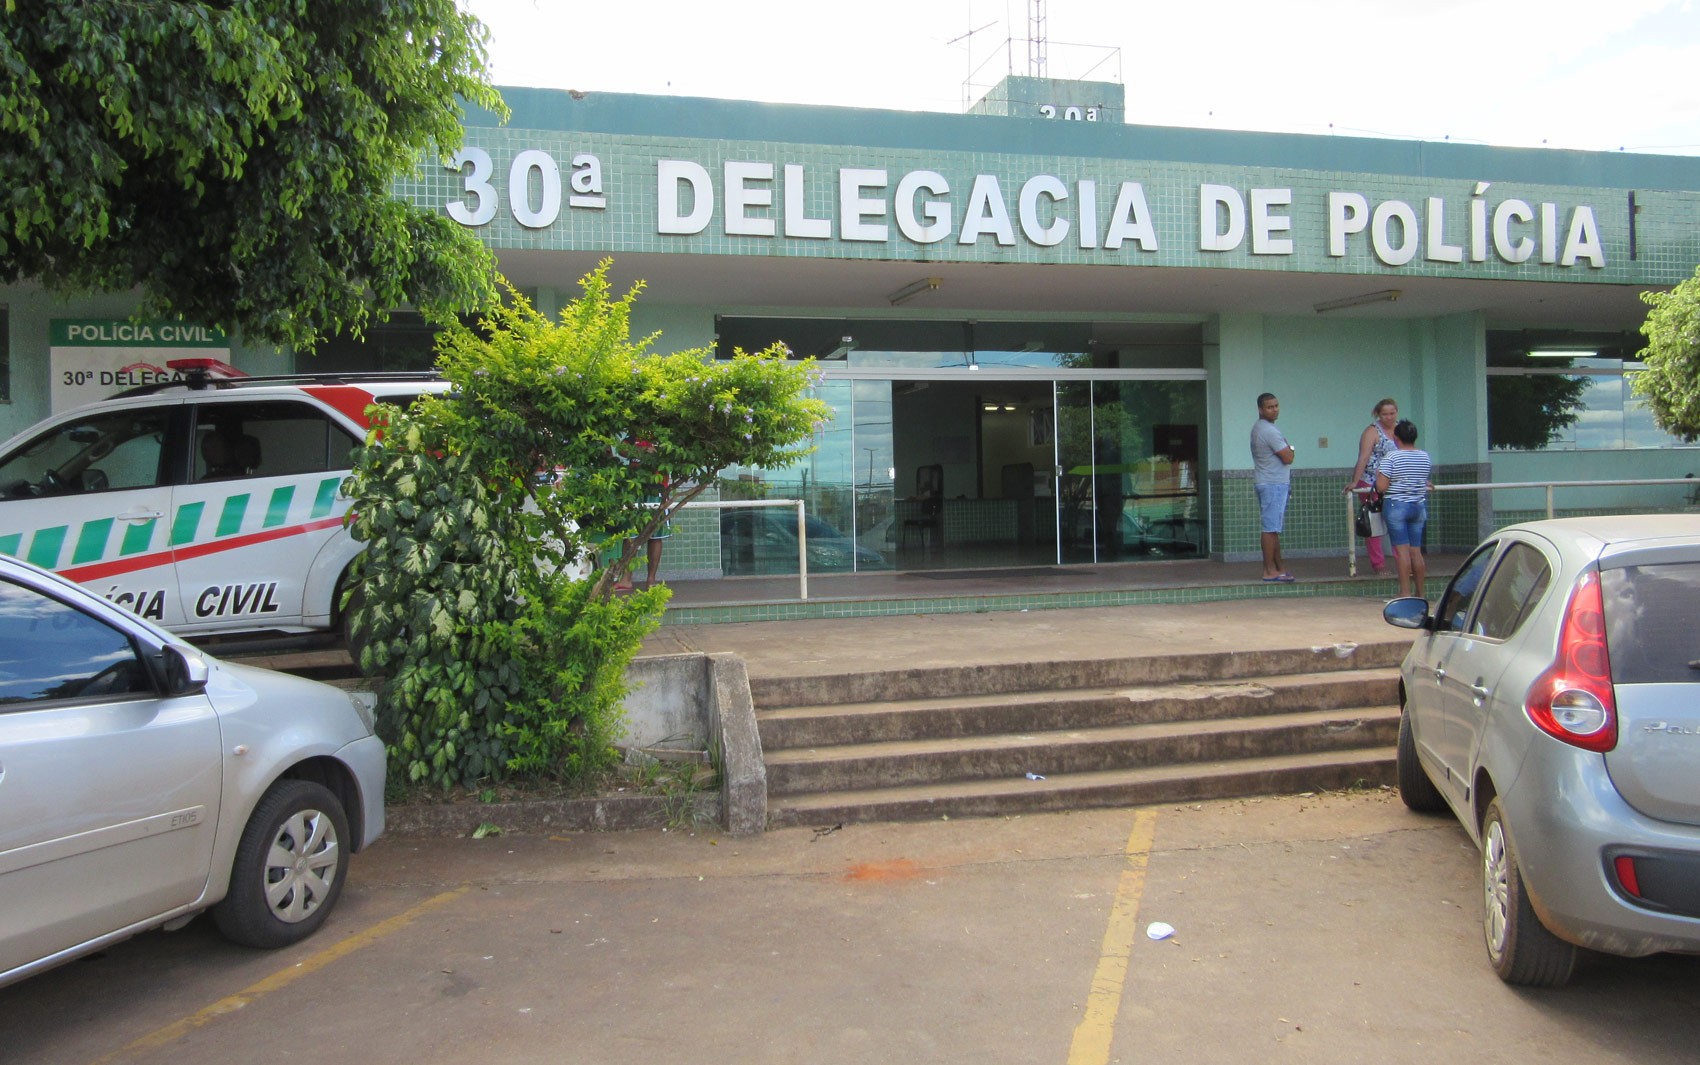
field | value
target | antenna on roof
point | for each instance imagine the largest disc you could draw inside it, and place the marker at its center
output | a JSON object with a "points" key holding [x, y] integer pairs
{"points": [[1036, 38]]}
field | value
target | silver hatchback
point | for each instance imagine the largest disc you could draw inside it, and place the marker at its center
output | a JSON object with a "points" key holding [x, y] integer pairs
{"points": [[142, 782], [1552, 702]]}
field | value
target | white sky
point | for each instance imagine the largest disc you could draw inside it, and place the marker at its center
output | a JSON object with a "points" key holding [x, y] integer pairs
{"points": [[1600, 75]]}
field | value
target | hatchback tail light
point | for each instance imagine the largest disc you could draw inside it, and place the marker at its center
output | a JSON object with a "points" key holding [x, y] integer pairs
{"points": [[1573, 701]]}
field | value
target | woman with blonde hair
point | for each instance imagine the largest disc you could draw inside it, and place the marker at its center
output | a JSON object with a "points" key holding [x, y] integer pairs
{"points": [[1375, 444]]}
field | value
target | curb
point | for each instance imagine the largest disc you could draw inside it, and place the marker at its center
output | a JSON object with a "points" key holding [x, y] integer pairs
{"points": [[542, 817]]}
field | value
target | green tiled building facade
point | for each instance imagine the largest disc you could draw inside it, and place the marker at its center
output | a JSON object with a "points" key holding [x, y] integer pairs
{"points": [[1063, 318]]}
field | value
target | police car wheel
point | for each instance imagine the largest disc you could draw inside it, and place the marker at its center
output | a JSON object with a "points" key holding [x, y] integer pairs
{"points": [[289, 867]]}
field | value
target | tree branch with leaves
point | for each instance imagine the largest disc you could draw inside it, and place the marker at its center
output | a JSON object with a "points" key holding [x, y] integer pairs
{"points": [[1671, 382], [236, 163]]}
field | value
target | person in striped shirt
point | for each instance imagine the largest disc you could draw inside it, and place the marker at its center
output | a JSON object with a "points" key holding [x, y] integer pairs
{"points": [[1403, 479]]}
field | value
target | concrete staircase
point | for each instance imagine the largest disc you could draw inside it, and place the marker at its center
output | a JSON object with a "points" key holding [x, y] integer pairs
{"points": [[962, 741]]}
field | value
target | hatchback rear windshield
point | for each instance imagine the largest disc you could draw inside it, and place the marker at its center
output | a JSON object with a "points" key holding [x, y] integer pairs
{"points": [[1650, 628]]}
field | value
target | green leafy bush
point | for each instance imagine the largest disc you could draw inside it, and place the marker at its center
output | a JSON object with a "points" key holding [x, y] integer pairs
{"points": [[477, 506]]}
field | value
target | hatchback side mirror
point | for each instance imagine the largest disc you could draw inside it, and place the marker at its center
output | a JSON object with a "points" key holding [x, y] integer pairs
{"points": [[1408, 612], [186, 672]]}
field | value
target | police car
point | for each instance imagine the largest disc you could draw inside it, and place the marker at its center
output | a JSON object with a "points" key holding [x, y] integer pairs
{"points": [[211, 504]]}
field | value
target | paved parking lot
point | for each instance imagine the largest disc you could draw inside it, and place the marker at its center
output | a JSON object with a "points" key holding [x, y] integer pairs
{"points": [[1333, 928]]}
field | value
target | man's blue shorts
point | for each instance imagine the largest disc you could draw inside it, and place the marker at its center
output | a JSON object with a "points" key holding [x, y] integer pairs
{"points": [[1406, 519], [1272, 505]]}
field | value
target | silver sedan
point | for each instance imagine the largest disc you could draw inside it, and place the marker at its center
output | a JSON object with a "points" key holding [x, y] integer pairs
{"points": [[1552, 703], [142, 782]]}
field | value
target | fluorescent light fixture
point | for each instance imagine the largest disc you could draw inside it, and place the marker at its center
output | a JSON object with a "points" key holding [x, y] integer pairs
{"points": [[913, 289], [989, 406], [1564, 354], [842, 350], [1386, 295]]}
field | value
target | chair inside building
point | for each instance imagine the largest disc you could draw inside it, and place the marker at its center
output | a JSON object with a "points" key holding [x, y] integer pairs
{"points": [[928, 522]]}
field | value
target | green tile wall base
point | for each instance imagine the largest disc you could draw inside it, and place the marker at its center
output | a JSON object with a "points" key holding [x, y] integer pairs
{"points": [[811, 609]]}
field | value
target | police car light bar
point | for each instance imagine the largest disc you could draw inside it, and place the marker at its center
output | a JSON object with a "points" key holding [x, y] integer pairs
{"points": [[209, 367]]}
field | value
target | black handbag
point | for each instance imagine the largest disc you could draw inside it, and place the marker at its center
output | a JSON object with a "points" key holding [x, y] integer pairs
{"points": [[1367, 505]]}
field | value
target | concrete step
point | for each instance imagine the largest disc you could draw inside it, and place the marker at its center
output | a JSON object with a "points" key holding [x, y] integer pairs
{"points": [[1011, 756], [916, 719], [873, 686], [1193, 782], [328, 664]]}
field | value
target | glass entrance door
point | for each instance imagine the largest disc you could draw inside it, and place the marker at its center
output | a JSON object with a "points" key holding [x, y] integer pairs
{"points": [[975, 461], [1127, 470]]}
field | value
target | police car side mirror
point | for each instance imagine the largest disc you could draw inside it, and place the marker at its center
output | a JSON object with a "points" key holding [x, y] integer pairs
{"points": [[186, 672]]}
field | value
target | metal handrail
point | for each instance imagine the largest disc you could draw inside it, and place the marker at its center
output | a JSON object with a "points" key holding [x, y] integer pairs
{"points": [[1351, 500], [802, 530]]}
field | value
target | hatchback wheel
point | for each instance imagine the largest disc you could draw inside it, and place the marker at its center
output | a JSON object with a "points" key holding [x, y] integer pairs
{"points": [[1415, 786], [1520, 947], [289, 866]]}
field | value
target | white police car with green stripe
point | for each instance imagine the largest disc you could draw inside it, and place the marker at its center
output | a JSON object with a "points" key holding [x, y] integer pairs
{"points": [[208, 505]]}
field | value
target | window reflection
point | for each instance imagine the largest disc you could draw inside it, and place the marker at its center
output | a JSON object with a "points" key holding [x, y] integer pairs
{"points": [[910, 344], [51, 651], [1536, 410]]}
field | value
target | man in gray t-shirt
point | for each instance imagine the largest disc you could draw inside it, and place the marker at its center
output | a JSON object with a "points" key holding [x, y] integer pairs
{"points": [[1271, 457]]}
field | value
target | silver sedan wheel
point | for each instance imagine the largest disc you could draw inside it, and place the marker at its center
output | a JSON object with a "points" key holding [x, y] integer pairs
{"points": [[301, 865], [1496, 891]]}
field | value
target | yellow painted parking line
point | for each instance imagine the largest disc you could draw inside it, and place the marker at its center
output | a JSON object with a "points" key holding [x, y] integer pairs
{"points": [[1091, 1045], [281, 979]]}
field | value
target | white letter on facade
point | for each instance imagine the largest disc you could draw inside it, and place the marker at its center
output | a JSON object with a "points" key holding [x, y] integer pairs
{"points": [[1130, 219], [1264, 225], [986, 213], [936, 212], [672, 175], [586, 183], [741, 197], [1380, 234], [1584, 240], [797, 220], [1438, 250], [1086, 206], [519, 189], [1212, 236], [1040, 234], [1348, 213], [477, 185], [1478, 223], [1512, 251], [853, 207]]}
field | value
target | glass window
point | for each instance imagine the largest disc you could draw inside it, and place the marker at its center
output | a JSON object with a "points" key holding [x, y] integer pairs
{"points": [[1650, 630], [405, 342], [1568, 391], [922, 344], [832, 480], [113, 450], [1517, 584], [1454, 608], [276, 438], [49, 651]]}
